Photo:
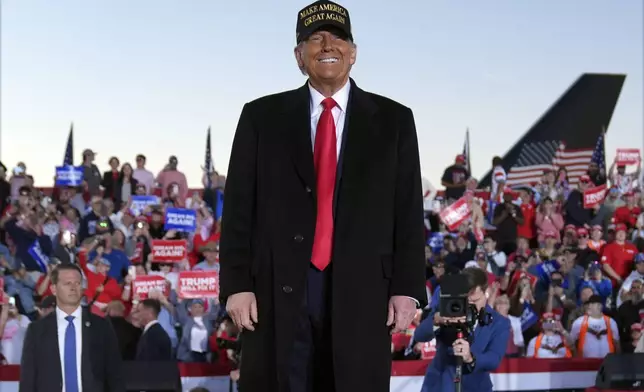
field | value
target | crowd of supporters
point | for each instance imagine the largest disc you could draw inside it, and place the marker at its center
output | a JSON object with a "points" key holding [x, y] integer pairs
{"points": [[569, 278]]}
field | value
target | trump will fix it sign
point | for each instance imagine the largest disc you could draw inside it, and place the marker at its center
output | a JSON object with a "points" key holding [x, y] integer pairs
{"points": [[198, 284]]}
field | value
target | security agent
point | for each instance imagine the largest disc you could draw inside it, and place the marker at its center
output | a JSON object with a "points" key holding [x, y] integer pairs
{"points": [[481, 351]]}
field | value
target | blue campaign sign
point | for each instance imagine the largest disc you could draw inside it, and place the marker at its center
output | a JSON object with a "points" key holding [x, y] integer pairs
{"points": [[69, 175], [220, 204], [436, 242], [180, 219], [140, 202], [38, 255], [546, 268]]}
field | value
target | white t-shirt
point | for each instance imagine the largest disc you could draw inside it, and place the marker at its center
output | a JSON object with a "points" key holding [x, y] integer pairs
{"points": [[594, 347], [547, 341], [13, 339]]}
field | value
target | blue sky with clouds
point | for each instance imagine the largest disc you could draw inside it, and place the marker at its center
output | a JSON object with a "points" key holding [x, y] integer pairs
{"points": [[150, 76]]}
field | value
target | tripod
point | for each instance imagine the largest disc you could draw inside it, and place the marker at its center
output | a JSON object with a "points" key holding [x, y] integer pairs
{"points": [[458, 373]]}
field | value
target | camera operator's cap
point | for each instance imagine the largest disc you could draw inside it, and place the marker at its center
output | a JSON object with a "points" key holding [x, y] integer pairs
{"points": [[594, 299], [322, 15], [620, 227]]}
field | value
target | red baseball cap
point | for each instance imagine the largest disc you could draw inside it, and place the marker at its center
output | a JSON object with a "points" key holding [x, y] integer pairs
{"points": [[584, 178], [582, 231], [550, 234], [620, 227], [598, 227], [460, 158]]}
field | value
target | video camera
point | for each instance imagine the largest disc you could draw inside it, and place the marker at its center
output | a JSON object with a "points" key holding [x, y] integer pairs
{"points": [[454, 304]]}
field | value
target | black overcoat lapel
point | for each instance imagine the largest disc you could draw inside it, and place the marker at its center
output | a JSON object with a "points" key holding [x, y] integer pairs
{"points": [[298, 119], [360, 132]]}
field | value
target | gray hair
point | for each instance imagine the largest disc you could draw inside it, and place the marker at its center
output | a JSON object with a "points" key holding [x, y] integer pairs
{"points": [[300, 48]]}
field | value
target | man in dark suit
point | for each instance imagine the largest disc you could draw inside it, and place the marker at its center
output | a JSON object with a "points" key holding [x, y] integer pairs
{"points": [[70, 349], [322, 247], [154, 344]]}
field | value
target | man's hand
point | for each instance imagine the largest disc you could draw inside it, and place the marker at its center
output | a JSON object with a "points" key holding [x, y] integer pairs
{"points": [[242, 308], [462, 349], [401, 312]]}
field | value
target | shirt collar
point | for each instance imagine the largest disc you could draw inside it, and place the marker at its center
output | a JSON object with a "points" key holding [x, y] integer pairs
{"points": [[341, 97], [148, 325], [60, 314]]}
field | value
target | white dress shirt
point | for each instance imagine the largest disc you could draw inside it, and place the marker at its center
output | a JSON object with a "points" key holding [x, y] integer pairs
{"points": [[341, 98], [62, 328]]}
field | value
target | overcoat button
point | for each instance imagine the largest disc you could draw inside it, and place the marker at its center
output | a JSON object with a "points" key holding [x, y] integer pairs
{"points": [[298, 238], [308, 189], [287, 289]]}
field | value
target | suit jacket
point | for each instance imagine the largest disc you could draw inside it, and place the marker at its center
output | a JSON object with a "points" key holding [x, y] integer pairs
{"points": [[127, 335], [154, 345], [101, 365], [269, 224], [487, 346]]}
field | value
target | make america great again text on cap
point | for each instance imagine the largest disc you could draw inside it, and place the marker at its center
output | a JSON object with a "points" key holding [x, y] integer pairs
{"points": [[321, 12]]}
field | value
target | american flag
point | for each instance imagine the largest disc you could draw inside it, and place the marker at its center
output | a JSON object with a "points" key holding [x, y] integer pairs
{"points": [[466, 151], [208, 166], [68, 160], [599, 155], [539, 156]]}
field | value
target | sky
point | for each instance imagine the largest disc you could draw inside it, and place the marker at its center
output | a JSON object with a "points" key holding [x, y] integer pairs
{"points": [[150, 76]]}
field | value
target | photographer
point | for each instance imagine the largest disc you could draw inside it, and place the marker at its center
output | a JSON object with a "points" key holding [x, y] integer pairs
{"points": [[481, 352]]}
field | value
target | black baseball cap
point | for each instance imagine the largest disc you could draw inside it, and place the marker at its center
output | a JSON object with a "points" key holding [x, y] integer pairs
{"points": [[319, 15]]}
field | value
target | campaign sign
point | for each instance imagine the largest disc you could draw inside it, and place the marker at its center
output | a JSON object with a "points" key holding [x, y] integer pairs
{"points": [[627, 156], [198, 284], [516, 278], [172, 251], [180, 219], [455, 214], [594, 196], [220, 204], [546, 268], [69, 175], [36, 252], [139, 203], [142, 285]]}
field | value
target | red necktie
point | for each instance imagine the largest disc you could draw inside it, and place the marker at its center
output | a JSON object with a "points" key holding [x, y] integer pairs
{"points": [[325, 161]]}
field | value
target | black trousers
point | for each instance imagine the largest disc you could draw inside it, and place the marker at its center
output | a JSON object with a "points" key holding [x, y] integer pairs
{"points": [[311, 363]]}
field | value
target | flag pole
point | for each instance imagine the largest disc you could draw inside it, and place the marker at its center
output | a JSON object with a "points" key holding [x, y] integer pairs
{"points": [[469, 151]]}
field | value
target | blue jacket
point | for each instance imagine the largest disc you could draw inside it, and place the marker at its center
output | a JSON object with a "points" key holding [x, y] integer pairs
{"points": [[490, 344], [24, 240]]}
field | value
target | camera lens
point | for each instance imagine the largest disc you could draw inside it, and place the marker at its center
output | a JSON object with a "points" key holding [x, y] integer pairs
{"points": [[455, 307]]}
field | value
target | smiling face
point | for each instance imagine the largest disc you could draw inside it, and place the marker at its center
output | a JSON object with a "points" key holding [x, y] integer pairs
{"points": [[326, 58]]}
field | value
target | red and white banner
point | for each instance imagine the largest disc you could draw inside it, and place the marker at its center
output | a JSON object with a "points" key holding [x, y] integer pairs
{"points": [[594, 196], [454, 215], [142, 285], [627, 156], [198, 284], [520, 374], [168, 251]]}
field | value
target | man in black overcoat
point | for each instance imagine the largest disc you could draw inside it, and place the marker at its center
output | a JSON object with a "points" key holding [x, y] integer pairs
{"points": [[322, 247]]}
